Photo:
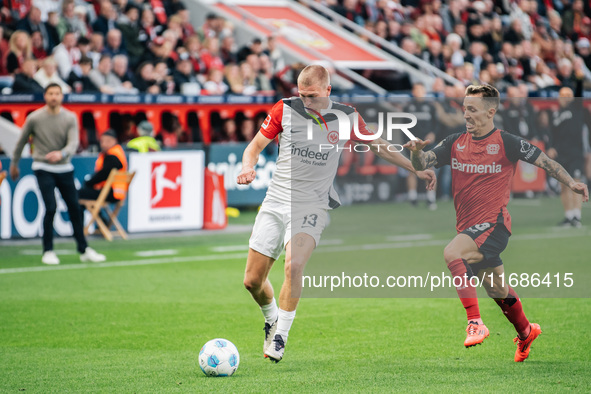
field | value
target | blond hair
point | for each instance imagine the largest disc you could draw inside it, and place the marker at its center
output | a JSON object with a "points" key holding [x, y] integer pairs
{"points": [[27, 53], [314, 75]]}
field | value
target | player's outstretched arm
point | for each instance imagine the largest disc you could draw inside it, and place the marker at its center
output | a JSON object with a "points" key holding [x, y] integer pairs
{"points": [[555, 170], [420, 160], [250, 157], [398, 159]]}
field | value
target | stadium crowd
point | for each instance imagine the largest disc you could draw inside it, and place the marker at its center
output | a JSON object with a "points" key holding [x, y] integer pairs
{"points": [[542, 43], [129, 47]]}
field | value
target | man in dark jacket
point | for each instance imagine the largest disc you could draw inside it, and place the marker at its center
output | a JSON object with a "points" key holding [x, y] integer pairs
{"points": [[24, 82]]}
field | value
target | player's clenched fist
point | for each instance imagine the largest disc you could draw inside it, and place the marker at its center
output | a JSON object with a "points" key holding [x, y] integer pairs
{"points": [[580, 188], [246, 176]]}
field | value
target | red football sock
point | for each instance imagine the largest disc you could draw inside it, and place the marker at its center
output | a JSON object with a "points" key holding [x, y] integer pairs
{"points": [[513, 310], [466, 292]]}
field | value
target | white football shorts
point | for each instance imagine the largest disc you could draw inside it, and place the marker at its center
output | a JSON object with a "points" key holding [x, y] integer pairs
{"points": [[275, 223]]}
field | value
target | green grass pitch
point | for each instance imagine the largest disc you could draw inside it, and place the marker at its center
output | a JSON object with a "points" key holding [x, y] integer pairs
{"points": [[136, 323]]}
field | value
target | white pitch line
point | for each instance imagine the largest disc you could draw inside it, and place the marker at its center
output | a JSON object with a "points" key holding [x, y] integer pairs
{"points": [[410, 237], [160, 252], [230, 248], [39, 252], [124, 263], [331, 249], [326, 242]]}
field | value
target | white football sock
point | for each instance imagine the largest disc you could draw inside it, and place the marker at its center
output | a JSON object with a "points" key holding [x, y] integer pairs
{"points": [[270, 311], [570, 214], [412, 195], [284, 323], [431, 196], [577, 213]]}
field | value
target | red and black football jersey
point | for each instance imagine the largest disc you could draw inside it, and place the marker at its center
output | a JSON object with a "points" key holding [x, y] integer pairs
{"points": [[482, 172]]}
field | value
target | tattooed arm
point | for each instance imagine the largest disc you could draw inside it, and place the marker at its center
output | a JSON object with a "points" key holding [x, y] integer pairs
{"points": [[555, 170], [420, 160]]}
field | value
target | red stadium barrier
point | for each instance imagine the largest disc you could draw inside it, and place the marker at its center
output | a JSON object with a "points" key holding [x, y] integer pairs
{"points": [[102, 113]]}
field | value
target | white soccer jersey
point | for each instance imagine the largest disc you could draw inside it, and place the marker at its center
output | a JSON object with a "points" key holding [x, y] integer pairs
{"points": [[306, 167]]}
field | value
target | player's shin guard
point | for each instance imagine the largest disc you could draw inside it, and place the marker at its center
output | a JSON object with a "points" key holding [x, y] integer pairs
{"points": [[466, 292], [513, 310]]}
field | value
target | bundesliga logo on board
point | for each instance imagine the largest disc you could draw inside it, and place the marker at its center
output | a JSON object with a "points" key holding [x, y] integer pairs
{"points": [[166, 184]]}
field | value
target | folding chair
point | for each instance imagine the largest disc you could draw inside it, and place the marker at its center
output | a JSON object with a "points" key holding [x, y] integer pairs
{"points": [[96, 206]]}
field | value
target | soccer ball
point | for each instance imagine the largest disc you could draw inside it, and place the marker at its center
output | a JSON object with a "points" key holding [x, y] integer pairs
{"points": [[219, 357]]}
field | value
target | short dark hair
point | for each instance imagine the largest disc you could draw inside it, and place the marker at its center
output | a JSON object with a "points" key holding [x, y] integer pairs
{"points": [[85, 60], [488, 92], [52, 85], [83, 41]]}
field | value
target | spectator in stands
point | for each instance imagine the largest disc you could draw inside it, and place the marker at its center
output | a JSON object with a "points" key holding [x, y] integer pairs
{"points": [[186, 24], [82, 83], [210, 55], [247, 130], [172, 132], [233, 77], [47, 74], [38, 50], [20, 50], [71, 21], [66, 55], [571, 77], [97, 46], [145, 80], [106, 18], [228, 132], [121, 70], [433, 54], [174, 25], [572, 19], [148, 31], [83, 45], [352, 10], [212, 27], [185, 80], [228, 50], [543, 78], [4, 50], [275, 55], [107, 81], [24, 81], [478, 56], [265, 77], [215, 84], [584, 51], [130, 31], [112, 156], [163, 77], [33, 23], [255, 47], [193, 48], [515, 33], [53, 20], [249, 80], [114, 45], [146, 141]]}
